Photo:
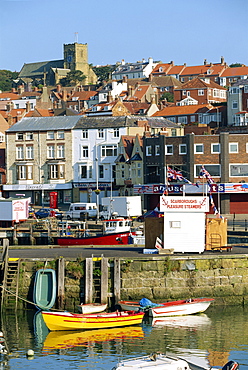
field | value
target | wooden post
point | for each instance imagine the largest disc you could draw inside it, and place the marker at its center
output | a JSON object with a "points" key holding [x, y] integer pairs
{"points": [[5, 253], [117, 280], [61, 283], [15, 239], [88, 280], [104, 280]]}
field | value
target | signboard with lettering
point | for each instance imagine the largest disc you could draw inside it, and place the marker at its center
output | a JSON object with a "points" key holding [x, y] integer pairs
{"points": [[184, 204]]}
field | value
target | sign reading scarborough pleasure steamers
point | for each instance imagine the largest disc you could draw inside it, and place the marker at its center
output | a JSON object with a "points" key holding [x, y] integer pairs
{"points": [[184, 204]]}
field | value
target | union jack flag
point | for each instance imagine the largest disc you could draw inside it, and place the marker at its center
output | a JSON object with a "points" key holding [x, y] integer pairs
{"points": [[204, 173], [174, 175]]}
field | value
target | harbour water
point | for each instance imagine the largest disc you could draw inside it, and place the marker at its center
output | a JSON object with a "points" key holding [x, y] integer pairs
{"points": [[209, 339]]}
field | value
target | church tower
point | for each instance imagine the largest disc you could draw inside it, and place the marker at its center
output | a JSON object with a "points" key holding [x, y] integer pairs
{"points": [[76, 58]]}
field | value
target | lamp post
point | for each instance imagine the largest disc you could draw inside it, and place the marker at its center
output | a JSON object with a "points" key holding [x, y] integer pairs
{"points": [[42, 191], [97, 191]]}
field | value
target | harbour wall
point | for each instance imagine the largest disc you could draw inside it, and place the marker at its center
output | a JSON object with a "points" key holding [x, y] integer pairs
{"points": [[158, 278]]}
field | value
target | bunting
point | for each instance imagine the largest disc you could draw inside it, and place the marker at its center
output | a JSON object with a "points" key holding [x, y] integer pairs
{"points": [[205, 174]]}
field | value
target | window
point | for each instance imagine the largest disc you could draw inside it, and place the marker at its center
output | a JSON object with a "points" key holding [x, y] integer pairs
{"points": [[234, 90], [60, 135], [149, 150], [30, 152], [24, 172], [101, 172], [100, 133], [19, 136], [199, 148], [169, 149], [192, 118], [216, 93], [109, 150], [83, 172], [182, 119], [215, 148], [90, 172], [50, 151], [182, 149], [1, 137], [173, 132], [246, 147], [213, 169], [246, 89], [61, 151], [85, 152], [234, 104], [233, 147], [157, 149], [239, 170], [116, 132], [57, 171], [19, 152], [50, 135], [200, 92], [184, 92], [85, 134], [29, 136]]}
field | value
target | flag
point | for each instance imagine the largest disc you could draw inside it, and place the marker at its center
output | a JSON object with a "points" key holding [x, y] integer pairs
{"points": [[213, 205], [204, 173], [177, 175], [174, 175]]}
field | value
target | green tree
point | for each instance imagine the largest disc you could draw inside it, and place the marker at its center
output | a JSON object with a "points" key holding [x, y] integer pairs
{"points": [[233, 65], [103, 73], [73, 78], [168, 96], [6, 78]]}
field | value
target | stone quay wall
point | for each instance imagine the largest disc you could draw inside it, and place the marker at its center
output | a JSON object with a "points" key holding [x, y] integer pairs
{"points": [[158, 278]]}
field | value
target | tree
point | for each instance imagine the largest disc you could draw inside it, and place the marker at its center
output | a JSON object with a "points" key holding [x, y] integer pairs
{"points": [[6, 78], [233, 65], [103, 73], [72, 78], [168, 96]]}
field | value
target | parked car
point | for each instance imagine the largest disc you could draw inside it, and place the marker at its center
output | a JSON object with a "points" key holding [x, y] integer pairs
{"points": [[31, 212], [48, 212]]}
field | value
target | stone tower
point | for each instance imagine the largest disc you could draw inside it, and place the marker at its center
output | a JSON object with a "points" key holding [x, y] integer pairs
{"points": [[76, 58]]}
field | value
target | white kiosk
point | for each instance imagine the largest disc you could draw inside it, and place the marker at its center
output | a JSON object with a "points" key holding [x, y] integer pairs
{"points": [[184, 222]]}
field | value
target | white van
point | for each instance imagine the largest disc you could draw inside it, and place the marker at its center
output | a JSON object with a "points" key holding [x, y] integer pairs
{"points": [[82, 211]]}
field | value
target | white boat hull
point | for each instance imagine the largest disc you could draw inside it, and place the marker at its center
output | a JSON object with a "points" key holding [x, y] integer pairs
{"points": [[188, 308], [91, 308], [156, 362]]}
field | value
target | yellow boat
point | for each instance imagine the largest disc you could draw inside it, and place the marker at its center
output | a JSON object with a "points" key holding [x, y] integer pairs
{"points": [[69, 339], [73, 321]]}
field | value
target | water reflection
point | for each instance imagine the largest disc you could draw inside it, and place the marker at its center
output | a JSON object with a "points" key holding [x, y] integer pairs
{"points": [[210, 339]]}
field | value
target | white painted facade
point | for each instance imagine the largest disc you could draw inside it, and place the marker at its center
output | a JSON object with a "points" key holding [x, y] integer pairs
{"points": [[184, 223], [95, 149]]}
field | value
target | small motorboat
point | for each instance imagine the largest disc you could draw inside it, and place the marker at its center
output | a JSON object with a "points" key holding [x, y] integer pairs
{"points": [[172, 308], [72, 321], [45, 288], [91, 308], [158, 361]]}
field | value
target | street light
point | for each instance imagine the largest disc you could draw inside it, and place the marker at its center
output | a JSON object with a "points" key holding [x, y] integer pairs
{"points": [[42, 191], [97, 191]]}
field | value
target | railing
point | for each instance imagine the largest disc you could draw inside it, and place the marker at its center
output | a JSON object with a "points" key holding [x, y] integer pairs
{"points": [[237, 225]]}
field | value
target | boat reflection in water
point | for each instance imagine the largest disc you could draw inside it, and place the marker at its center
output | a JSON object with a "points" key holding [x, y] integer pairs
{"points": [[187, 321], [68, 339]]}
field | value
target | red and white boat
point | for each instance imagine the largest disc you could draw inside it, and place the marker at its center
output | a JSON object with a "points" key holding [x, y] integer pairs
{"points": [[115, 231], [173, 308]]}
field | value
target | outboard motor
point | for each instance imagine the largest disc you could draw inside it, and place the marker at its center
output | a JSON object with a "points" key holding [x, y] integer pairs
{"points": [[231, 365]]}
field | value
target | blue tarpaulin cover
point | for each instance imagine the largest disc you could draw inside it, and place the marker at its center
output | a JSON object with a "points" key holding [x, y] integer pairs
{"points": [[146, 303]]}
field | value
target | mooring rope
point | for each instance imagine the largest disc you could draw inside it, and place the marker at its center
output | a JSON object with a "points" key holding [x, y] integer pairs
{"points": [[23, 299]]}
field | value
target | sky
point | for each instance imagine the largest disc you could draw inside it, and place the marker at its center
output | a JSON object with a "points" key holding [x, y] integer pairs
{"points": [[165, 30]]}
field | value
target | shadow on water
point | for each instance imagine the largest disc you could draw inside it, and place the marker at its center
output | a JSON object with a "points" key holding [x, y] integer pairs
{"points": [[210, 339]]}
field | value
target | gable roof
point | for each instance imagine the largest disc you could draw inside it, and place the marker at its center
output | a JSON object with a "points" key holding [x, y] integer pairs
{"points": [[166, 81], [45, 124], [135, 107], [38, 68], [182, 110], [198, 83], [236, 71]]}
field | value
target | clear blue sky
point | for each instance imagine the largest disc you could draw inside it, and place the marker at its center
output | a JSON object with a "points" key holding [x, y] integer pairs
{"points": [[179, 30]]}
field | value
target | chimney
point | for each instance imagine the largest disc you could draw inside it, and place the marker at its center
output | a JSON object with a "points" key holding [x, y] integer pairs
{"points": [[205, 62], [9, 106], [28, 106], [150, 60], [172, 63], [13, 90], [124, 79], [130, 91], [35, 88], [20, 89], [58, 88], [153, 101], [109, 97], [137, 85], [10, 120], [222, 60], [123, 62], [64, 95]]}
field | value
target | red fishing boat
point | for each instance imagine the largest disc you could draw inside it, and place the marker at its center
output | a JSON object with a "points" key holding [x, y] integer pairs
{"points": [[115, 231]]}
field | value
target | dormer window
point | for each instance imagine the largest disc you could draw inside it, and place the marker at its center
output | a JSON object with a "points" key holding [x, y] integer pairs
{"points": [[29, 136], [74, 98], [209, 71], [160, 69], [19, 136]]}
